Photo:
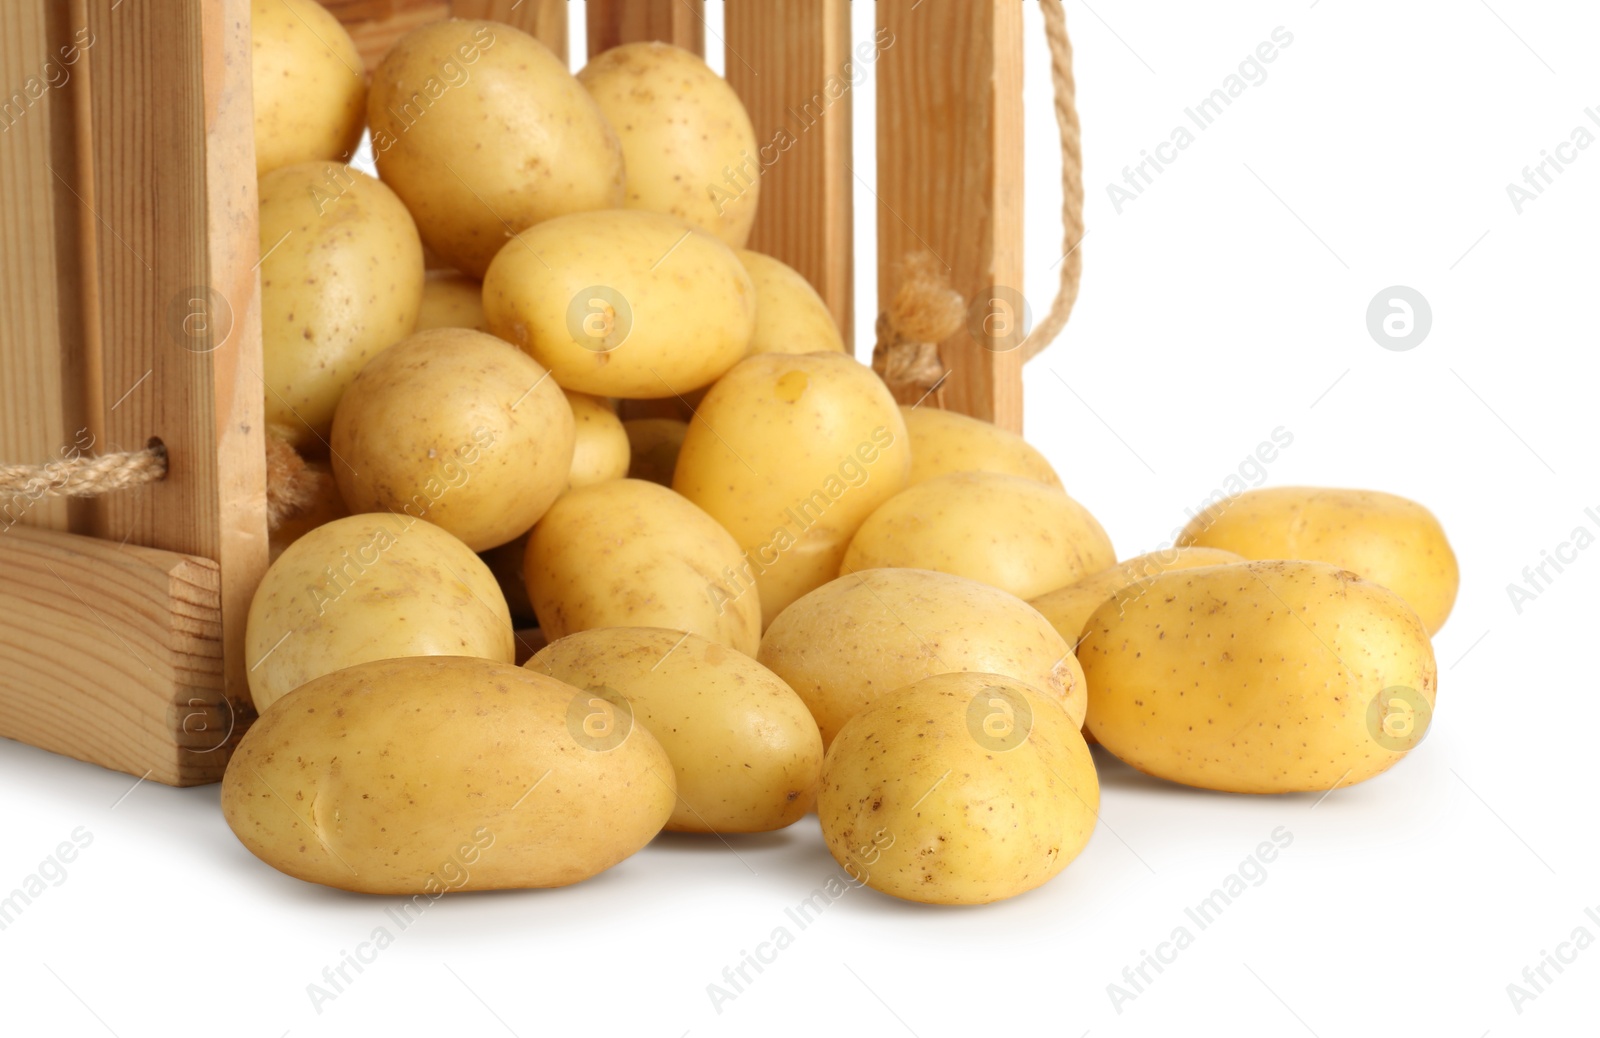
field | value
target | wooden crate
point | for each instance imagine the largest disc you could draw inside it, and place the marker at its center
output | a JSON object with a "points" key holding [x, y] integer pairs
{"points": [[128, 243]]}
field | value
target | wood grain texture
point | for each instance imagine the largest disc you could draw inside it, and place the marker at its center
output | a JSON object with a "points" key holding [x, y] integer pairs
{"points": [[791, 64], [615, 22], [113, 654], [175, 191], [544, 19], [950, 178], [375, 25], [41, 333]]}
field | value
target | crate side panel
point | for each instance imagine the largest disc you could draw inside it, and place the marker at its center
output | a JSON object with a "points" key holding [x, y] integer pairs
{"points": [[612, 23]]}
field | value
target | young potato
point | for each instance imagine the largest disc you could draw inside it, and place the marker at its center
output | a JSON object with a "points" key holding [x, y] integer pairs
{"points": [[653, 446], [626, 553], [855, 638], [1017, 534], [791, 453], [459, 428], [943, 442], [1259, 677], [790, 316], [429, 775], [1387, 539], [1068, 608], [745, 750], [310, 90], [960, 789], [622, 303], [341, 279], [688, 145], [601, 451], [370, 587], [451, 300], [485, 133]]}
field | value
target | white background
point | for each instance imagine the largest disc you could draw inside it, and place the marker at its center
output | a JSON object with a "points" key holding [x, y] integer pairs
{"points": [[1227, 300]]}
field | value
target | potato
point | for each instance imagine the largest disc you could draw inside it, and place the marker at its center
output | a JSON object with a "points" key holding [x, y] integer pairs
{"points": [[689, 147], [310, 89], [1386, 539], [855, 638], [341, 279], [653, 445], [791, 453], [1068, 608], [943, 442], [451, 300], [370, 587], [1259, 677], [324, 508], [485, 133], [1017, 534], [745, 751], [601, 451], [620, 303], [790, 316], [627, 553], [459, 428], [959, 789], [425, 776]]}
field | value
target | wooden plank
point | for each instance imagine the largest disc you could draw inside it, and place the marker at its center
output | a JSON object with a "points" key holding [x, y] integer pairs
{"points": [[375, 25], [615, 22], [175, 193], [41, 336], [790, 61], [544, 19], [950, 177], [113, 654]]}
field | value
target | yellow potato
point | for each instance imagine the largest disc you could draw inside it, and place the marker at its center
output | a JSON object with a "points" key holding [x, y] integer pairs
{"points": [[653, 445], [459, 428], [627, 553], [790, 316], [1017, 534], [943, 442], [426, 776], [856, 638], [622, 303], [341, 279], [451, 300], [959, 789], [1068, 608], [310, 90], [370, 587], [746, 753], [485, 133], [689, 147], [1387, 539], [791, 453], [601, 451], [1259, 677]]}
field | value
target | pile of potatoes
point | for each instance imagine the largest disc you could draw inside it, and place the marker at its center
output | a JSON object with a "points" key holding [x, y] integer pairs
{"points": [[803, 598]]}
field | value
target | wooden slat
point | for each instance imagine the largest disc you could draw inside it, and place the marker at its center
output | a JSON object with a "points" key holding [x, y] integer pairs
{"points": [[790, 61], [950, 173], [174, 175], [41, 333], [544, 19], [113, 654], [615, 22], [375, 25]]}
